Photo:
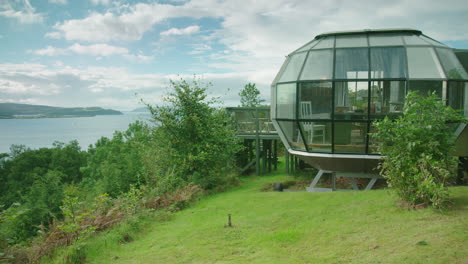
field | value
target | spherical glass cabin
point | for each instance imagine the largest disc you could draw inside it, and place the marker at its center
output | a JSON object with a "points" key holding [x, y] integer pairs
{"points": [[329, 92]]}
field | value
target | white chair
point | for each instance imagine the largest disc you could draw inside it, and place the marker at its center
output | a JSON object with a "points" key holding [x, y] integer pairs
{"points": [[314, 131]]}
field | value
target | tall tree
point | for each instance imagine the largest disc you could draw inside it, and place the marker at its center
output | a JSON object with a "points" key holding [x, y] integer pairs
{"points": [[195, 142], [250, 96]]}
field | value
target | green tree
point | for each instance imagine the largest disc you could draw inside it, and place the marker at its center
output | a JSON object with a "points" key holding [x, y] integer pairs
{"points": [[250, 96], [114, 164], [417, 150], [194, 141]]}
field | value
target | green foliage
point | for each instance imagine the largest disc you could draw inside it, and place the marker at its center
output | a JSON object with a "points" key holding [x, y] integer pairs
{"points": [[115, 164], [75, 214], [250, 96], [193, 141], [417, 148], [25, 166]]}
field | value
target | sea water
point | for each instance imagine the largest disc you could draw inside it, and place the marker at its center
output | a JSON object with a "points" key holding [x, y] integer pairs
{"points": [[43, 132]]}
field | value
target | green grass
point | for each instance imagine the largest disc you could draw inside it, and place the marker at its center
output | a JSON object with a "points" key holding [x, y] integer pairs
{"points": [[293, 227]]}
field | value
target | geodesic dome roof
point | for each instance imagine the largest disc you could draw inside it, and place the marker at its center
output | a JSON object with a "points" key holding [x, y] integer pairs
{"points": [[392, 53]]}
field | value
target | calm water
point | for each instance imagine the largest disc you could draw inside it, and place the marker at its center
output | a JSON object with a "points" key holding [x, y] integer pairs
{"points": [[42, 132]]}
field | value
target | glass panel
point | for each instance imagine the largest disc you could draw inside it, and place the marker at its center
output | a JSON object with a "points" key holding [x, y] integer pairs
{"points": [[308, 46], [423, 63], [315, 100], [425, 87], [432, 42], [458, 96], [325, 43], [388, 63], [373, 143], [414, 40], [351, 41], [319, 65], [351, 100], [386, 40], [291, 132], [453, 68], [291, 72], [350, 137], [352, 64], [317, 135], [388, 98], [286, 100]]}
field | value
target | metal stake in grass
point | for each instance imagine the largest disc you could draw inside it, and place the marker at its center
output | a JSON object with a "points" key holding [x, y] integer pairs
{"points": [[229, 224]]}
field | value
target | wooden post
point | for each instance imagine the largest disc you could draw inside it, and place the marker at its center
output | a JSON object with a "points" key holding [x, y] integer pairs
{"points": [[275, 155], [257, 147], [264, 156]]}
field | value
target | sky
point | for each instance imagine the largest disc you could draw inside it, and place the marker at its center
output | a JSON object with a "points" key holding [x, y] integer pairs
{"points": [[77, 53]]}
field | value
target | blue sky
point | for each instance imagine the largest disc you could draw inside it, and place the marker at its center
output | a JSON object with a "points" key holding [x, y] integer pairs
{"points": [[112, 53]]}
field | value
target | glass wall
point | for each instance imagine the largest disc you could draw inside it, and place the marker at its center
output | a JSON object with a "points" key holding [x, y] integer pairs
{"points": [[332, 90]]}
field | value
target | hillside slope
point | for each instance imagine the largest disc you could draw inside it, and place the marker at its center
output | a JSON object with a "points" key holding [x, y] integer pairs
{"points": [[296, 227]]}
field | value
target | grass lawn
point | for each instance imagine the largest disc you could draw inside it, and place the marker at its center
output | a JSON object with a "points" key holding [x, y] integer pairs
{"points": [[295, 227]]}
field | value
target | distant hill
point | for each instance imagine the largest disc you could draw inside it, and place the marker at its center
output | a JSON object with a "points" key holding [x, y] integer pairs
{"points": [[12, 110], [141, 110]]}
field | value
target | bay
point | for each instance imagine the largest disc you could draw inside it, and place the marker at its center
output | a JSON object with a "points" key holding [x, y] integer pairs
{"points": [[43, 132]]}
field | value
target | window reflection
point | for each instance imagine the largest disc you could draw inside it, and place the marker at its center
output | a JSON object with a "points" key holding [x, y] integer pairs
{"points": [[352, 63], [426, 87], [387, 98], [317, 135], [291, 73], [388, 63], [286, 100], [351, 100], [315, 100], [292, 133], [458, 96], [350, 137]]}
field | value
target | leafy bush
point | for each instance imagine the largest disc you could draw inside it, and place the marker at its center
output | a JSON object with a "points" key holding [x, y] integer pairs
{"points": [[194, 141], [417, 148]]}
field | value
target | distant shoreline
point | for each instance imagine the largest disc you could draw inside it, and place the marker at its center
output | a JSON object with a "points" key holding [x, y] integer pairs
{"points": [[49, 116], [26, 111]]}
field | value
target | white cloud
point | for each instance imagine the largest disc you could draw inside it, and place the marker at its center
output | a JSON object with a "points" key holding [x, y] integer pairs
{"points": [[25, 15], [200, 48], [49, 51], [129, 24], [62, 2], [104, 86], [98, 50], [183, 31], [53, 35], [100, 2]]}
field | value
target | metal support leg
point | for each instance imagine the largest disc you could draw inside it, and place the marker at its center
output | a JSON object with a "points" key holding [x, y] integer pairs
{"points": [[334, 181], [353, 183], [317, 177], [371, 183]]}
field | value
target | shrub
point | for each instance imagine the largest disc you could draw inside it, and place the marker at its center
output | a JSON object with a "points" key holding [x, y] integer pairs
{"points": [[194, 141], [417, 150]]}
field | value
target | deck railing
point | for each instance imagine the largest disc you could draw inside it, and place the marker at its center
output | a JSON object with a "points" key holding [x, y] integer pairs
{"points": [[251, 120]]}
